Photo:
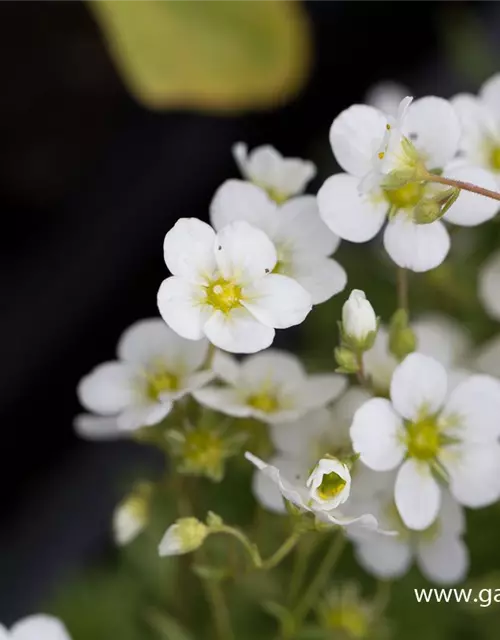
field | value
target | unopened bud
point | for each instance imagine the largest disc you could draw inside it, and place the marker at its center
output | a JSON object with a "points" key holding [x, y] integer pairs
{"points": [[186, 535], [347, 360], [402, 339], [359, 322], [131, 516], [427, 211]]}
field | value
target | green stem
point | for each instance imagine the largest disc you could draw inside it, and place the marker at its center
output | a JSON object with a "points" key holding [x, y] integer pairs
{"points": [[249, 547], [383, 595], [360, 373], [318, 582], [281, 553], [300, 567], [402, 288], [220, 612], [466, 186]]}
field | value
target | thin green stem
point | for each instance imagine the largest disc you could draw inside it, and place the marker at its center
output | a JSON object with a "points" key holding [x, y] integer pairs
{"points": [[402, 288], [318, 582], [466, 186], [383, 595], [220, 612], [360, 373], [281, 553], [302, 554], [249, 547]]}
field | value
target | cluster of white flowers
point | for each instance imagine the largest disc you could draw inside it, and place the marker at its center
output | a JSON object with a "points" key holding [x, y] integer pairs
{"points": [[416, 440], [37, 627]]}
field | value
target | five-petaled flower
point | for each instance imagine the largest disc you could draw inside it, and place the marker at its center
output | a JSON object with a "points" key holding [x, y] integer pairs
{"points": [[155, 367], [223, 286], [271, 386], [430, 434]]}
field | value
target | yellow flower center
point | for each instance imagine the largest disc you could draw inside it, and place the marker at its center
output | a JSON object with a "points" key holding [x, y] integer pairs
{"points": [[423, 439], [264, 401], [350, 619], [495, 158], [203, 450], [223, 295], [160, 381], [405, 197], [331, 485]]}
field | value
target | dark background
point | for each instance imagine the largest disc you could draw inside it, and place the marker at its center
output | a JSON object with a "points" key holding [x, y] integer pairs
{"points": [[90, 182]]}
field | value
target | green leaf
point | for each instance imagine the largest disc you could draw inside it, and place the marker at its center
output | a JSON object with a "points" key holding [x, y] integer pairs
{"points": [[212, 55]]}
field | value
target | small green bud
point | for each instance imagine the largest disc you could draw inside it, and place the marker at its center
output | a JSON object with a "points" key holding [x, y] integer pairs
{"points": [[346, 359], [184, 536], [214, 521], [427, 211], [402, 339]]}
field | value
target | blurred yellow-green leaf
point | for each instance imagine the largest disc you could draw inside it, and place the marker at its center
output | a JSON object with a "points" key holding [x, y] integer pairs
{"points": [[209, 55]]}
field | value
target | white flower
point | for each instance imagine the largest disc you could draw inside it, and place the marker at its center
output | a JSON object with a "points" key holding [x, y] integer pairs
{"points": [[317, 493], [358, 317], [489, 285], [186, 535], [271, 386], [301, 443], [302, 241], [131, 516], [439, 551], [223, 286], [281, 177], [155, 367], [386, 96], [426, 431], [480, 119], [36, 627], [371, 147]]}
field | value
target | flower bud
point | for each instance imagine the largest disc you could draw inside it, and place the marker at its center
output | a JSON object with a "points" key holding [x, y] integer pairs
{"points": [[402, 339], [184, 536], [359, 322], [347, 360], [329, 483], [427, 211], [131, 516]]}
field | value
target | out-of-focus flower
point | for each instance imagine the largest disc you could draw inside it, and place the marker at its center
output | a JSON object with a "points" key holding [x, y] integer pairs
{"points": [[345, 614], [359, 322], [271, 386], [439, 550], [489, 285], [36, 627], [384, 159], [155, 367], [184, 536], [223, 286], [480, 119], [424, 430], [280, 177], [303, 242], [131, 516], [386, 96], [317, 492]]}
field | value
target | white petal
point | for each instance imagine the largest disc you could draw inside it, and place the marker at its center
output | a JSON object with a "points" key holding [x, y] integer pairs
{"points": [[478, 127], [355, 136], [489, 285], [237, 200], [379, 363], [386, 96], [4, 635], [384, 557], [452, 521], [273, 368], [171, 543], [226, 401], [320, 389], [473, 409], [188, 250], [180, 305], [39, 627], [296, 439], [238, 331], [417, 495], [490, 93], [321, 277], [97, 428], [350, 215], [244, 253], [226, 367], [292, 489], [444, 560], [135, 417], [267, 491], [366, 520], [418, 386], [152, 341], [487, 358], [109, 388], [301, 228], [277, 301], [473, 473], [434, 128], [442, 338], [418, 247], [377, 435], [472, 209]]}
